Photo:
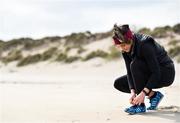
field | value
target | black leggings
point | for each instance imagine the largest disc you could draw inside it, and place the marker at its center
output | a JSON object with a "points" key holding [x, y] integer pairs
{"points": [[142, 75]]}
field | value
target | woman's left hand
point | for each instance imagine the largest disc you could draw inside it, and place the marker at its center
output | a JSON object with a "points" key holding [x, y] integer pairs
{"points": [[139, 99]]}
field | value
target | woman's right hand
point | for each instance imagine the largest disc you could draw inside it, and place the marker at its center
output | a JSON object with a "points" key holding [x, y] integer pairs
{"points": [[133, 95]]}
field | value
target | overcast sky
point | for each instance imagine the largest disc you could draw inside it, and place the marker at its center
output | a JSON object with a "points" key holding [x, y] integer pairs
{"points": [[40, 18]]}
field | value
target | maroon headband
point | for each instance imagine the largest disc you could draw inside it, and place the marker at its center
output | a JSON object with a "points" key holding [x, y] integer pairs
{"points": [[128, 35]]}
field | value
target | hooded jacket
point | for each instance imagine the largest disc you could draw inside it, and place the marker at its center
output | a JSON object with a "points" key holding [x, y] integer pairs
{"points": [[153, 54]]}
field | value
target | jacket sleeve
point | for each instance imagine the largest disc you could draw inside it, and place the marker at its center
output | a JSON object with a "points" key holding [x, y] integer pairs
{"points": [[149, 54], [129, 76]]}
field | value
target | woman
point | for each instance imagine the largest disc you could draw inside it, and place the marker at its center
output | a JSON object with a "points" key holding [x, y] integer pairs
{"points": [[148, 67]]}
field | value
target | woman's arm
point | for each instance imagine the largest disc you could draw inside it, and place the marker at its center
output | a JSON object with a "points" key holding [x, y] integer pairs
{"points": [[129, 76]]}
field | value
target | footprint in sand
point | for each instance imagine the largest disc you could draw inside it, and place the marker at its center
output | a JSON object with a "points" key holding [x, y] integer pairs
{"points": [[175, 109]]}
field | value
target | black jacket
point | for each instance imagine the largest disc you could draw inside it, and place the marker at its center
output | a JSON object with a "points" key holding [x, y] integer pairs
{"points": [[147, 49]]}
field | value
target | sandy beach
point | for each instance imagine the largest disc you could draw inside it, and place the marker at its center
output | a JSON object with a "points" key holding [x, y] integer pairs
{"points": [[75, 93], [59, 59]]}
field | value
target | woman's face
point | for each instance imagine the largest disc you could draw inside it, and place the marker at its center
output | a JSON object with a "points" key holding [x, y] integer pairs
{"points": [[124, 47]]}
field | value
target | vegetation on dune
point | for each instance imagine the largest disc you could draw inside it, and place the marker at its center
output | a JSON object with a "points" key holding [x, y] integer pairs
{"points": [[27, 43], [97, 53], [61, 57], [52, 39], [12, 50], [49, 53], [1, 42], [14, 43], [81, 50], [71, 59], [14, 55], [175, 51], [99, 36], [178, 59], [145, 31], [67, 49], [176, 28], [174, 42], [160, 32], [33, 44], [80, 39], [114, 53], [29, 60], [77, 39]]}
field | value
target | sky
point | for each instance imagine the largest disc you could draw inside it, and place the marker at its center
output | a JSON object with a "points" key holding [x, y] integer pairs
{"points": [[42, 18]]}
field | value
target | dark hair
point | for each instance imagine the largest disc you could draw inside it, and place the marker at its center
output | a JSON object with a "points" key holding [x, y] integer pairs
{"points": [[122, 34]]}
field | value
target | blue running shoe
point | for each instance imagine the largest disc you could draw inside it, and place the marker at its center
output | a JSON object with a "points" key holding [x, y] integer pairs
{"points": [[154, 101], [136, 109], [130, 108]]}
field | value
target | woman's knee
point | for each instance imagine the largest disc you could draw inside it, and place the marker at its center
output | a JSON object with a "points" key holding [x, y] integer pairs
{"points": [[168, 84], [116, 83], [121, 84]]}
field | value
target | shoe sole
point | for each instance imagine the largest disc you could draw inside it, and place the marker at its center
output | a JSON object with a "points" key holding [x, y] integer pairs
{"points": [[137, 113]]}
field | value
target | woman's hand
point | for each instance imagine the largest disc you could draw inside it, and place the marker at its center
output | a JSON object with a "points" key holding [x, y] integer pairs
{"points": [[139, 99], [133, 95]]}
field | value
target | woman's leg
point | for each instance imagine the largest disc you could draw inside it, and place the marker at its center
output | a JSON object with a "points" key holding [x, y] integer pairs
{"points": [[167, 77], [121, 84], [140, 74]]}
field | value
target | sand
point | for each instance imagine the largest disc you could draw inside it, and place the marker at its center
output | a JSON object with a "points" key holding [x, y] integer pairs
{"points": [[76, 93]]}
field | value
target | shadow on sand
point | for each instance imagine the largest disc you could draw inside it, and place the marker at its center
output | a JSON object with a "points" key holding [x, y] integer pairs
{"points": [[166, 112]]}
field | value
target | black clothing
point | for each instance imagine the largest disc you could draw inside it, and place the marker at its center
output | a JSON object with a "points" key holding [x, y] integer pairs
{"points": [[147, 64], [140, 76]]}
